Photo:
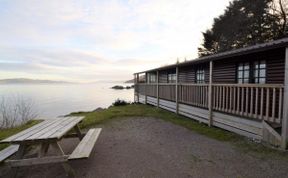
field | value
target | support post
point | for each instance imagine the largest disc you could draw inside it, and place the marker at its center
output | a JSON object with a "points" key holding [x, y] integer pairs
{"points": [[157, 88], [176, 91], [146, 83], [137, 81], [284, 133], [210, 121], [134, 87]]}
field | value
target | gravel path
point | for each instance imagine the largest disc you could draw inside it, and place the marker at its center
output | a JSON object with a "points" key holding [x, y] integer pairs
{"points": [[147, 147]]}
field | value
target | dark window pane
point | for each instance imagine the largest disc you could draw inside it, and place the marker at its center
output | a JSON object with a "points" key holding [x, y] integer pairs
{"points": [[246, 74], [256, 73], [262, 73], [262, 80], [246, 67]]}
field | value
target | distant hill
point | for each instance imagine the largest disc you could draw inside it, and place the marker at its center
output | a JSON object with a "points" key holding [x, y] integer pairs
{"points": [[141, 78], [29, 81], [129, 81]]}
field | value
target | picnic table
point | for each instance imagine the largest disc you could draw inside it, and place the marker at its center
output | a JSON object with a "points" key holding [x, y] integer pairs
{"points": [[45, 134]]}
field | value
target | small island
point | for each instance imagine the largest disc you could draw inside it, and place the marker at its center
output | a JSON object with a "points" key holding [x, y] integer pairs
{"points": [[120, 87]]}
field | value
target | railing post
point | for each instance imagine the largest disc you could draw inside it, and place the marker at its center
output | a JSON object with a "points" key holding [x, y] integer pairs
{"points": [[176, 91], [134, 87], [284, 133], [137, 81], [157, 88], [146, 82], [210, 121]]}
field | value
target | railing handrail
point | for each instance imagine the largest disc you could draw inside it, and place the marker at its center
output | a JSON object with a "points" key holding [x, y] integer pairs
{"points": [[219, 84], [250, 85], [194, 84]]}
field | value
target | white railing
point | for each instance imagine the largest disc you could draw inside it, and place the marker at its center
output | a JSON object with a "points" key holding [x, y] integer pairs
{"points": [[256, 101], [249, 100]]}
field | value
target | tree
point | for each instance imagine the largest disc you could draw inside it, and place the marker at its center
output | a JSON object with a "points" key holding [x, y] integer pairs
{"points": [[279, 9], [245, 23]]}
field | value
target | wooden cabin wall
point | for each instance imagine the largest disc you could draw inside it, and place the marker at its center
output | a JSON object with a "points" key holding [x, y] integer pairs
{"points": [[163, 76], [275, 66], [187, 74], [225, 71]]}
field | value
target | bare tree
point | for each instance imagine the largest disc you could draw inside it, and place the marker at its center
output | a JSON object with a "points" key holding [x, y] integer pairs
{"points": [[279, 9], [15, 111]]}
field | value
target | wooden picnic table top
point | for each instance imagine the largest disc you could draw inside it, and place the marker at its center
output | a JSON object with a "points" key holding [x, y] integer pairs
{"points": [[46, 130]]}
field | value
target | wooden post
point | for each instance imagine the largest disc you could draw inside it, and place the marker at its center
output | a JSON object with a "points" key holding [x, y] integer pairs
{"points": [[146, 82], [157, 88], [137, 81], [284, 133], [176, 91], [210, 94], [134, 87]]}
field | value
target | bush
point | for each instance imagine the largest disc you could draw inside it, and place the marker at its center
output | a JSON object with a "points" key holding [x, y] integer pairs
{"points": [[15, 111], [119, 102]]}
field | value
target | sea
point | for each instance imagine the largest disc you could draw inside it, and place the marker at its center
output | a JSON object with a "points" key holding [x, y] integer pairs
{"points": [[53, 100]]}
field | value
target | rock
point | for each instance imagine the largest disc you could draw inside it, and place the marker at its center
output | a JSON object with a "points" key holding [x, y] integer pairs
{"points": [[118, 87], [98, 109]]}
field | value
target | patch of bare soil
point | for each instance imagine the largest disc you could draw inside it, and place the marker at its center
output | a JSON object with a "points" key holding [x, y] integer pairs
{"points": [[147, 147]]}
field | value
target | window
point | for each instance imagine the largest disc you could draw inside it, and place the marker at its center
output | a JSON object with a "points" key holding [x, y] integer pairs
{"points": [[200, 76], [171, 78], [259, 72], [243, 74], [252, 72], [152, 78]]}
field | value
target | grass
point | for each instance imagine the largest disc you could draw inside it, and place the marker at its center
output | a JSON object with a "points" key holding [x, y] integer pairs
{"points": [[4, 133], [242, 143]]}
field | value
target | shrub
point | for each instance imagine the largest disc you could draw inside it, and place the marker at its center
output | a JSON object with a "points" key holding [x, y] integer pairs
{"points": [[15, 111], [119, 102]]}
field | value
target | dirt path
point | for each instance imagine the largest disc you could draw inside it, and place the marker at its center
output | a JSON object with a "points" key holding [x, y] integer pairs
{"points": [[146, 147]]}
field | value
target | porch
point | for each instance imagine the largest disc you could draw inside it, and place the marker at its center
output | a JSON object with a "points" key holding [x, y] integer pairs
{"points": [[217, 98]]}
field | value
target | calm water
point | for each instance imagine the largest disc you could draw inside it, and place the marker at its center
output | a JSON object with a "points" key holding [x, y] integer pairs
{"points": [[52, 100]]}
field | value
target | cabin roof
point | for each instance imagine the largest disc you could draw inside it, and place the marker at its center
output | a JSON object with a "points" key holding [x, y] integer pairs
{"points": [[237, 52]]}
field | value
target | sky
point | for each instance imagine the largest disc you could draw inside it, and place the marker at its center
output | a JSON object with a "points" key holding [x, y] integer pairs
{"points": [[99, 40]]}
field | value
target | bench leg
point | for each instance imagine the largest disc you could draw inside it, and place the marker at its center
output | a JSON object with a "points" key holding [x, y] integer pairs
{"points": [[43, 149], [78, 131], [19, 155], [68, 169]]}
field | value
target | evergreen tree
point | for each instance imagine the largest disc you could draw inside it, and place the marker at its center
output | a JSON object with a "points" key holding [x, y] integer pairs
{"points": [[243, 23]]}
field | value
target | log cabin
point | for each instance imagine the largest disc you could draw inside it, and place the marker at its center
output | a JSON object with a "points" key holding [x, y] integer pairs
{"points": [[243, 91]]}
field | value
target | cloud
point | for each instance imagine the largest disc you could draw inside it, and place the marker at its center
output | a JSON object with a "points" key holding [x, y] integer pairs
{"points": [[108, 39]]}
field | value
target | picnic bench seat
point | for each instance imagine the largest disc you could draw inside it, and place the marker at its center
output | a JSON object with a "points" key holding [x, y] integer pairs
{"points": [[47, 133], [7, 152], [84, 148]]}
